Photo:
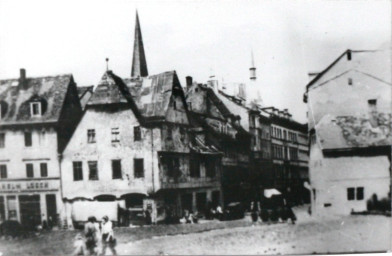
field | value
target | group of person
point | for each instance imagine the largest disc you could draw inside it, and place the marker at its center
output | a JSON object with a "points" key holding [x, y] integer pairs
{"points": [[283, 212], [189, 217], [97, 238], [215, 213]]}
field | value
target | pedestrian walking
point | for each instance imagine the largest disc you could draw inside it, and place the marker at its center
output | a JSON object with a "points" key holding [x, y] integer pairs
{"points": [[79, 246], [254, 211], [108, 239], [219, 212], [291, 215], [91, 233]]}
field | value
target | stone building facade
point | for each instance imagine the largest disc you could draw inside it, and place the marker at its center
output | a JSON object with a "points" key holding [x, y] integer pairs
{"points": [[349, 112], [289, 147], [132, 150], [37, 117], [221, 128]]}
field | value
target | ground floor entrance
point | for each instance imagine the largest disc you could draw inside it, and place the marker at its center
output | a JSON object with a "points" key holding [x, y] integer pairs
{"points": [[30, 210], [199, 200]]}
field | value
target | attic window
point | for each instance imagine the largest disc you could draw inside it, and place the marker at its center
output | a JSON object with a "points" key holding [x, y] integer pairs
{"points": [[35, 108], [350, 81]]}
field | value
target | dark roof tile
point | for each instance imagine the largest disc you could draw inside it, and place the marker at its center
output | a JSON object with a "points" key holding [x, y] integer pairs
{"points": [[16, 98]]}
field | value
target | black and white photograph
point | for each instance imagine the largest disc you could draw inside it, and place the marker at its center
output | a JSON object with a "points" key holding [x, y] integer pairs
{"points": [[174, 127]]}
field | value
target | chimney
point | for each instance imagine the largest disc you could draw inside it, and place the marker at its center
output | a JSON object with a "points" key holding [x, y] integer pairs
{"points": [[189, 81], [22, 78], [348, 55]]}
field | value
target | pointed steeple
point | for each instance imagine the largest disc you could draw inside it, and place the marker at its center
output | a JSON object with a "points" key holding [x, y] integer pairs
{"points": [[139, 63]]}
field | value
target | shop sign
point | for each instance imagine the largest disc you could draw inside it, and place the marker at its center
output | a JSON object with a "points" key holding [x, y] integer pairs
{"points": [[16, 186]]}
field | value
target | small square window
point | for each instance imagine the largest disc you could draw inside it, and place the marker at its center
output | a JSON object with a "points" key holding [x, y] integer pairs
{"points": [[28, 139], [350, 81], [173, 167], [115, 135], [360, 193], [138, 165], [91, 136], [93, 170], [2, 140], [194, 168], [35, 109], [210, 165], [137, 133], [44, 169], [372, 102], [3, 171], [77, 171], [350, 194], [29, 170], [169, 133]]}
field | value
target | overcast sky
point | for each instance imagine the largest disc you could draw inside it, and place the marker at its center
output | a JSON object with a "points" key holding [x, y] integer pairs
{"points": [[197, 38]]}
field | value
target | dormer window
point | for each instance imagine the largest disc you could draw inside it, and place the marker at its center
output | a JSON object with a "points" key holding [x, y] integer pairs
{"points": [[35, 108]]}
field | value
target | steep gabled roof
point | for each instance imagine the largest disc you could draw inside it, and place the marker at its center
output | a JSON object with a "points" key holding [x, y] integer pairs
{"points": [[373, 63], [316, 78], [152, 95], [148, 97], [236, 108], [211, 95], [15, 99], [109, 90], [112, 90]]}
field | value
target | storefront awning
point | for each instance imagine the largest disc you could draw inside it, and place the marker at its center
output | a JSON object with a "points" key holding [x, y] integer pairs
{"points": [[268, 193], [94, 195]]}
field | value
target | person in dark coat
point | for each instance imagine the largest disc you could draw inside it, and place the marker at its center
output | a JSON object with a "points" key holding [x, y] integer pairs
{"points": [[91, 234], [147, 217], [254, 211], [291, 215]]}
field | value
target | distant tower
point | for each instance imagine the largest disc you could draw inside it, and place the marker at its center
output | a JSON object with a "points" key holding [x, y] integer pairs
{"points": [[253, 88], [139, 63], [252, 69]]}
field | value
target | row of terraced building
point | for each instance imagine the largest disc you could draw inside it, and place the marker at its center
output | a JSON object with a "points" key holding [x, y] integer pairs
{"points": [[140, 143]]}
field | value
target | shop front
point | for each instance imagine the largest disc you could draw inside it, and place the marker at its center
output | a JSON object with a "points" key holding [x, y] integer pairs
{"points": [[31, 203]]}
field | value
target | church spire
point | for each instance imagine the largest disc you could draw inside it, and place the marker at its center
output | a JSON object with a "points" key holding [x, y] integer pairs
{"points": [[139, 63], [252, 68]]}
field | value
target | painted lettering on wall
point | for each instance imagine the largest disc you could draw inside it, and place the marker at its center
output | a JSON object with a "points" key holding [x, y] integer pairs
{"points": [[28, 185]]}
